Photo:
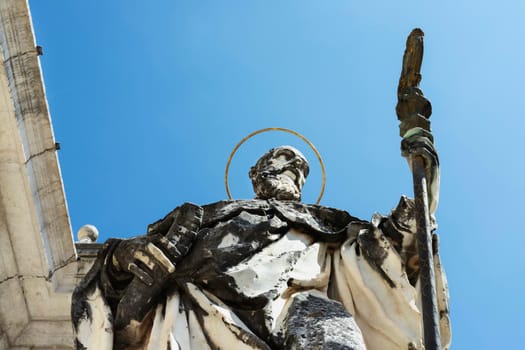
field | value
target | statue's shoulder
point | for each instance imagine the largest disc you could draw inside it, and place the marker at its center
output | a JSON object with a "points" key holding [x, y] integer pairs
{"points": [[224, 210], [325, 223], [320, 212]]}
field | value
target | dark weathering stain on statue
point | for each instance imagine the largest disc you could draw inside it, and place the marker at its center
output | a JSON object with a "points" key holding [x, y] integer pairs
{"points": [[375, 250]]}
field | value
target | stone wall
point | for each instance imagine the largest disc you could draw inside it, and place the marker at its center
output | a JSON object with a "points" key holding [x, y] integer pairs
{"points": [[39, 264]]}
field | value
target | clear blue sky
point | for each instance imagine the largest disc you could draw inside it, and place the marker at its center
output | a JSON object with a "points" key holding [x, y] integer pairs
{"points": [[149, 98]]}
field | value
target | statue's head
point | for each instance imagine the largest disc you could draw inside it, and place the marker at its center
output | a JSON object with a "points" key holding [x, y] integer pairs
{"points": [[280, 173]]}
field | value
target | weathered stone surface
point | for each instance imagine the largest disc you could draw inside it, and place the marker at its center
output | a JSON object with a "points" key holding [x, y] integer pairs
{"points": [[37, 257], [255, 274], [315, 322], [39, 166], [42, 301], [12, 298], [46, 334]]}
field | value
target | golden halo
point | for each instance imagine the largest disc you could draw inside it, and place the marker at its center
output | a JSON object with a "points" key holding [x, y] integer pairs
{"points": [[260, 131]]}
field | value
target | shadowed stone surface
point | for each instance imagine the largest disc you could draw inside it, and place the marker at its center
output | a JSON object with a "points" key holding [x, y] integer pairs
{"points": [[318, 323]]}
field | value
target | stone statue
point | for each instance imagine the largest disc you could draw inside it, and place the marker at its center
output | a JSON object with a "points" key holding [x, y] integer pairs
{"points": [[266, 273], [274, 273]]}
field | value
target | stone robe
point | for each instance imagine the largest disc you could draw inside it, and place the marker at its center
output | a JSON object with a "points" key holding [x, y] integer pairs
{"points": [[268, 274]]}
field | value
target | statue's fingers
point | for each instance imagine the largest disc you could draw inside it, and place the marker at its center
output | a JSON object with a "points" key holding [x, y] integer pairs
{"points": [[426, 149], [142, 275], [417, 132], [421, 147], [428, 154], [144, 258], [160, 257]]}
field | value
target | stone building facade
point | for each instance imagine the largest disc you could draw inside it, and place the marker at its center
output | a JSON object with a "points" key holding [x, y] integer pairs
{"points": [[39, 263]]}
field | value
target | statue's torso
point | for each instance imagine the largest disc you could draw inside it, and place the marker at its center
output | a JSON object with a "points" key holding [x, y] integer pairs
{"points": [[237, 230]]}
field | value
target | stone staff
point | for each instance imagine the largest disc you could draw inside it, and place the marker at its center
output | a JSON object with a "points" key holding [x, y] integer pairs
{"points": [[413, 111]]}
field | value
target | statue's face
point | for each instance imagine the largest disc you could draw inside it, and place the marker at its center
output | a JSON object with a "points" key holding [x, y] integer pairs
{"points": [[280, 174]]}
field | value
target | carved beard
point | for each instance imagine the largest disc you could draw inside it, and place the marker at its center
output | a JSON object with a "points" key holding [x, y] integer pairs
{"points": [[276, 186]]}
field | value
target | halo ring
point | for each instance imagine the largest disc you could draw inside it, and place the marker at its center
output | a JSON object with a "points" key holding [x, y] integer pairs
{"points": [[260, 131]]}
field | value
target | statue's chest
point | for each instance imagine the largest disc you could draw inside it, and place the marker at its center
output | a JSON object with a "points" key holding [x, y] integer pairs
{"points": [[271, 268], [251, 259], [232, 241]]}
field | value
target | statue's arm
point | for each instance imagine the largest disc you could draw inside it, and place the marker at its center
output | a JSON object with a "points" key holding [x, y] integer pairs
{"points": [[400, 226], [136, 271], [400, 230]]}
